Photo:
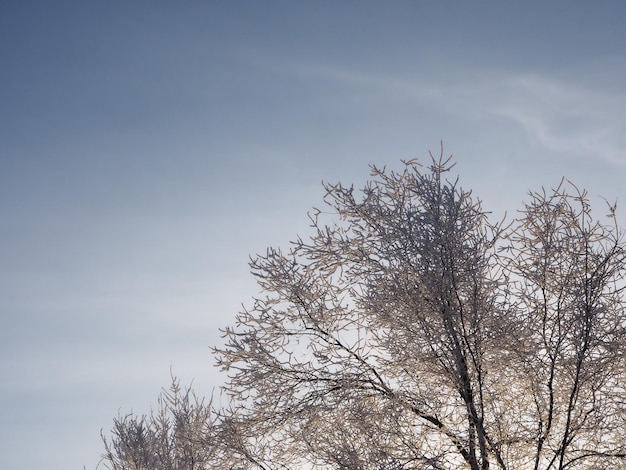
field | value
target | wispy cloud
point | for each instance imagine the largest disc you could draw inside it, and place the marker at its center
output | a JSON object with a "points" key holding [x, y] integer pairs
{"points": [[567, 118], [555, 113]]}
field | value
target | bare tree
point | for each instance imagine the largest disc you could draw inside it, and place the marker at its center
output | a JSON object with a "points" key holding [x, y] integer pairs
{"points": [[185, 432], [570, 337], [179, 435], [411, 332]]}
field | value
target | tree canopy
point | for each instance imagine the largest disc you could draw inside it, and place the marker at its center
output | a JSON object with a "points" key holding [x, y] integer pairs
{"points": [[411, 331]]}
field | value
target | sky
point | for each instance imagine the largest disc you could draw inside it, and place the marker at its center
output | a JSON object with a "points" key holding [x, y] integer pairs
{"points": [[148, 148]]}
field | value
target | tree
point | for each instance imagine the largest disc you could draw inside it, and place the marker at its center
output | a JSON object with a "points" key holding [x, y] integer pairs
{"points": [[411, 332], [177, 436]]}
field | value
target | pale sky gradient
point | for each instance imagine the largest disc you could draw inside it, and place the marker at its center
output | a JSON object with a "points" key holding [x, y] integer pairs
{"points": [[148, 147]]}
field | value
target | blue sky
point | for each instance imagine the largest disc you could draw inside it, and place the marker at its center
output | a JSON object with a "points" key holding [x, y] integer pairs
{"points": [[148, 148]]}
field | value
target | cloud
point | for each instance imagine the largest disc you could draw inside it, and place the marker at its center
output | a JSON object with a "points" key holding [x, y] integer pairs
{"points": [[564, 115], [567, 118]]}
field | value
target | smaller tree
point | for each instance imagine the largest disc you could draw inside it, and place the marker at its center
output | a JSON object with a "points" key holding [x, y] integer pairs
{"points": [[179, 435]]}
